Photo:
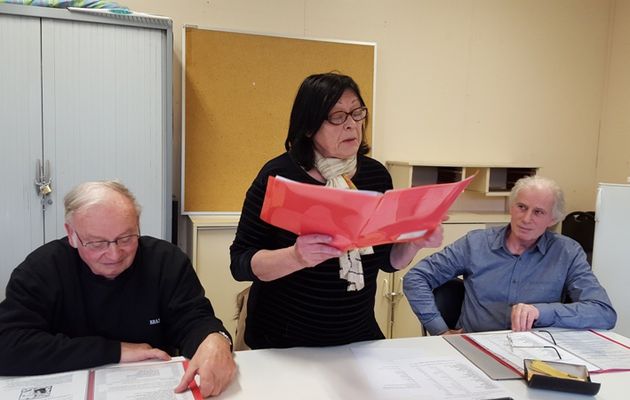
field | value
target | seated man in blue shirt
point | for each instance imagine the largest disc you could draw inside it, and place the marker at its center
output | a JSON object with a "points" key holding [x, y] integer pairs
{"points": [[520, 276]]}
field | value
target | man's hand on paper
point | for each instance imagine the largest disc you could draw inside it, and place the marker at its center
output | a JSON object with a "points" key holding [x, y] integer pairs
{"points": [[311, 250], [131, 352], [523, 317], [214, 363]]}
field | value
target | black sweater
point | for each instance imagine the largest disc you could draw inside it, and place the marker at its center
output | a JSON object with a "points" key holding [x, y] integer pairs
{"points": [[59, 316], [310, 307]]}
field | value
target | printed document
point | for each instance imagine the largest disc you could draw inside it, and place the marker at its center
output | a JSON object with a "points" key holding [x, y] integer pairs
{"points": [[149, 380], [513, 347], [140, 381], [404, 374], [597, 347], [62, 386]]}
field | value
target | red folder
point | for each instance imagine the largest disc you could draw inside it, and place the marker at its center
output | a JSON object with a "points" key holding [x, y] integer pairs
{"points": [[358, 218]]}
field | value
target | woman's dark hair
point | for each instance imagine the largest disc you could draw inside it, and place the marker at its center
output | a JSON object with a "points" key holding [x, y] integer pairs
{"points": [[317, 95]]}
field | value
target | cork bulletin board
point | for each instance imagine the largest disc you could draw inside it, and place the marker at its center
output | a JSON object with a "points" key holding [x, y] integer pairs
{"points": [[238, 91]]}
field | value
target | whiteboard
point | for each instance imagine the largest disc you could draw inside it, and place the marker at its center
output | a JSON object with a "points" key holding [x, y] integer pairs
{"points": [[611, 259]]}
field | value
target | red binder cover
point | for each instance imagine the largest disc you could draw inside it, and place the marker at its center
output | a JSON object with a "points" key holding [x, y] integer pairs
{"points": [[358, 218]]}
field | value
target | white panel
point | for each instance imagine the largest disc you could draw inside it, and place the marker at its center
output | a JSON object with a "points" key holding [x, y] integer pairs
{"points": [[103, 113], [611, 260], [21, 227]]}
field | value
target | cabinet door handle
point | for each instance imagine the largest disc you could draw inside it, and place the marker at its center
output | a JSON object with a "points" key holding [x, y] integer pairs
{"points": [[386, 291], [390, 293], [399, 289], [396, 293]]}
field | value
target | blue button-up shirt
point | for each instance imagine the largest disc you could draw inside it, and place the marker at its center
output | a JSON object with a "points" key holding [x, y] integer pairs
{"points": [[553, 275]]}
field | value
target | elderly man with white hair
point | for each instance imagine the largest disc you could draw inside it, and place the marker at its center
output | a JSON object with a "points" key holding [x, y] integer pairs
{"points": [[519, 276], [105, 294]]}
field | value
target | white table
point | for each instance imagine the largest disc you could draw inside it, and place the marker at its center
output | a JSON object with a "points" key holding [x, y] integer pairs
{"points": [[334, 373]]}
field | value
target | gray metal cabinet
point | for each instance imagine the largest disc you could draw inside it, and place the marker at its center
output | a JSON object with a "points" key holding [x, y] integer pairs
{"points": [[89, 97]]}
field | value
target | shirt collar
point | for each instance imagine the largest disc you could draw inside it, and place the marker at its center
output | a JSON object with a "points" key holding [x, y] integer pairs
{"points": [[498, 242], [500, 236], [543, 242]]}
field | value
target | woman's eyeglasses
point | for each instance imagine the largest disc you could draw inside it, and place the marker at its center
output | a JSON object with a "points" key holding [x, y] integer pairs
{"points": [[339, 117]]}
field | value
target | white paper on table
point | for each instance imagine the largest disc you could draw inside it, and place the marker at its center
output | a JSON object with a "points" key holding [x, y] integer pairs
{"points": [[140, 381], [497, 344], [596, 347], [65, 385], [403, 374]]}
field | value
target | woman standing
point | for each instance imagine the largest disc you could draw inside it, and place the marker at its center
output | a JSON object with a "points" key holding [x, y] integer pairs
{"points": [[305, 292]]}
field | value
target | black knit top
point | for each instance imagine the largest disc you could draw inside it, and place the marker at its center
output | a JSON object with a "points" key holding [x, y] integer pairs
{"points": [[59, 316], [310, 307]]}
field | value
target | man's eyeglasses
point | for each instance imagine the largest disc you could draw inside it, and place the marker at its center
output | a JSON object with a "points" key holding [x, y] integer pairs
{"points": [[513, 345], [339, 117], [102, 245]]}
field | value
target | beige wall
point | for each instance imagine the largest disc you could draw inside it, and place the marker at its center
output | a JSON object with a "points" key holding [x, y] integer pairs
{"points": [[613, 163], [485, 81]]}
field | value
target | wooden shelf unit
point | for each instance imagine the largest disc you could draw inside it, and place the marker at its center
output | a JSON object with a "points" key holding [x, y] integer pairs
{"points": [[491, 180]]}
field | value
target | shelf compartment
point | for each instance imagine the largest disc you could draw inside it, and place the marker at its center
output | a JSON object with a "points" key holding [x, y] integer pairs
{"points": [[497, 181]]}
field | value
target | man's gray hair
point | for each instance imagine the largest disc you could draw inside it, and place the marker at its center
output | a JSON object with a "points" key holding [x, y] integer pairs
{"points": [[541, 182], [88, 194]]}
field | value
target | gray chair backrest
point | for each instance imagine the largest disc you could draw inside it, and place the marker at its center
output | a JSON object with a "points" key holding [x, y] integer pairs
{"points": [[580, 226]]}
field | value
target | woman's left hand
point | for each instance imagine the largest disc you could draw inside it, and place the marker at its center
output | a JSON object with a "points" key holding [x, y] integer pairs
{"points": [[432, 239], [403, 253]]}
